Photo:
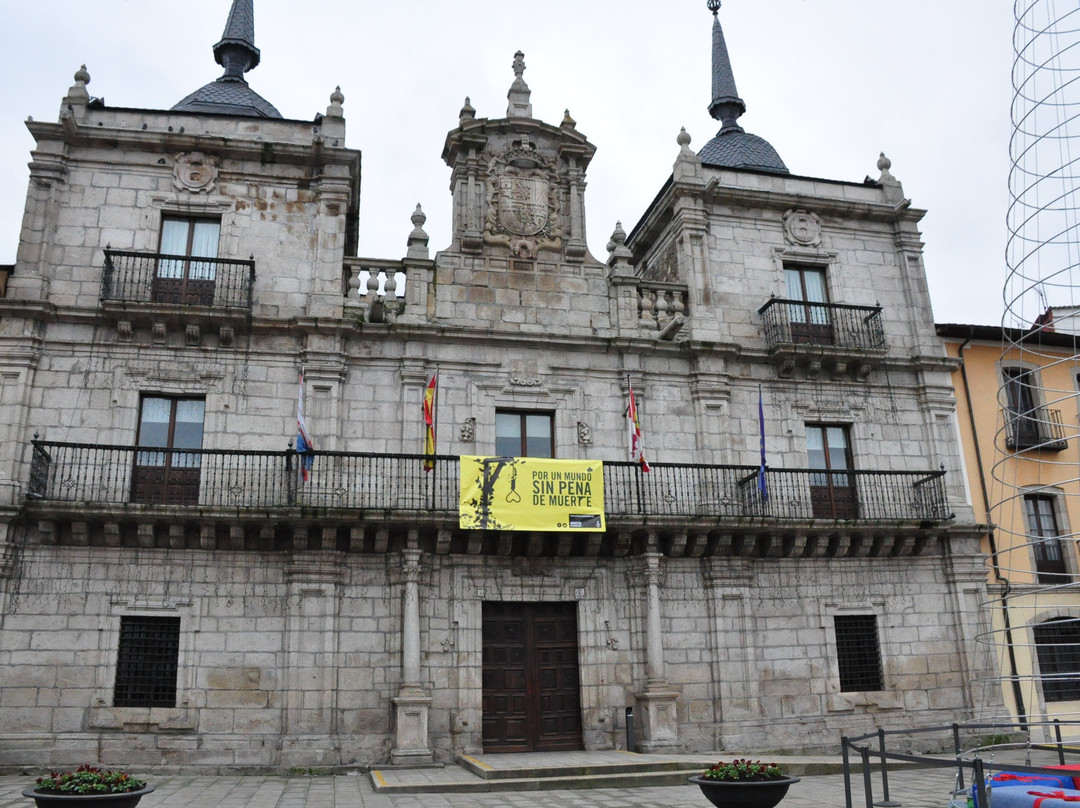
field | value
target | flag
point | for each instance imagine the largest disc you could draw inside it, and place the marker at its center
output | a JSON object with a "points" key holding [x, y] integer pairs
{"points": [[304, 445], [761, 432], [429, 420], [637, 454]]}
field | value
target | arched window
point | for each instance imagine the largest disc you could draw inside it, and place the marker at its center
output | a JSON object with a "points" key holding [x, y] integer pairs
{"points": [[1058, 644]]}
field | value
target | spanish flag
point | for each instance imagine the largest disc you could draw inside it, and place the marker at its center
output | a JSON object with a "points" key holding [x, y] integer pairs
{"points": [[637, 454], [429, 420]]}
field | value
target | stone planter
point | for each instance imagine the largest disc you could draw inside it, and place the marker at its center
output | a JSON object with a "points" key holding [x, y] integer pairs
{"points": [[744, 793], [126, 799]]}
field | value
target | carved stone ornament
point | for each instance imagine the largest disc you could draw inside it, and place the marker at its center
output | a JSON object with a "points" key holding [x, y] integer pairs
{"points": [[467, 433], [584, 434], [195, 172], [802, 228], [523, 201]]}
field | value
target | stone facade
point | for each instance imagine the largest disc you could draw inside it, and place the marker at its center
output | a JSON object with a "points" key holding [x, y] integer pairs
{"points": [[339, 621]]}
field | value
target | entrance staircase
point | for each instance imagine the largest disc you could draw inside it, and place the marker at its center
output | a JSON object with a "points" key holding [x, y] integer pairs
{"points": [[543, 771]]}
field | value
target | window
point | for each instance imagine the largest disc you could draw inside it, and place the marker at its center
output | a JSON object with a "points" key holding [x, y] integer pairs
{"points": [[146, 662], [523, 434], [810, 321], [169, 477], [832, 489], [1022, 421], [180, 279], [1043, 534], [1058, 645], [858, 653]]}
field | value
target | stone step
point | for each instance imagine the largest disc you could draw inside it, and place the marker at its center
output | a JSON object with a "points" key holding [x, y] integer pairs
{"points": [[633, 763]]}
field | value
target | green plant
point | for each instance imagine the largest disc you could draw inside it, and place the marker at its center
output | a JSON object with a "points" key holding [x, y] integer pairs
{"points": [[745, 770], [89, 779]]}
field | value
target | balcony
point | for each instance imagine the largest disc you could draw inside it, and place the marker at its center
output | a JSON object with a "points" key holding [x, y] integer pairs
{"points": [[815, 336], [184, 293], [1038, 428], [353, 500]]}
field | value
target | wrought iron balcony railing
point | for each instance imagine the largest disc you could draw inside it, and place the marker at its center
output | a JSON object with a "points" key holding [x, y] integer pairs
{"points": [[91, 474], [1038, 428], [797, 322], [138, 277]]}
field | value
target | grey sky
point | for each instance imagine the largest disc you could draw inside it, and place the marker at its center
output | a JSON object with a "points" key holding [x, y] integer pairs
{"points": [[830, 83]]}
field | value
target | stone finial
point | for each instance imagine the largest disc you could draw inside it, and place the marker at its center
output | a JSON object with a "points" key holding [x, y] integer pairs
{"points": [[336, 100], [687, 166], [519, 93], [418, 238], [467, 113], [884, 164], [619, 254], [77, 93], [567, 121]]}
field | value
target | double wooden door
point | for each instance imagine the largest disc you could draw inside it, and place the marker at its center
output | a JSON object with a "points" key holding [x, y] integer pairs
{"points": [[531, 700]]}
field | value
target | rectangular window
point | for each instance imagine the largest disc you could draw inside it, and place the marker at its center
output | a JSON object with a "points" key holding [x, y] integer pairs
{"points": [[169, 477], [810, 320], [858, 653], [180, 278], [1058, 644], [524, 434], [832, 487], [146, 662], [1022, 420], [1043, 534]]}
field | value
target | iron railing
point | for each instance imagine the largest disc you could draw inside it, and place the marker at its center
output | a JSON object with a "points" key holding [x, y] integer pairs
{"points": [[120, 475], [797, 322], [140, 277], [1038, 428]]}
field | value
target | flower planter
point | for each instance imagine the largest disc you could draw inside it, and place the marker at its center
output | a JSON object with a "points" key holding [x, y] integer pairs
{"points": [[744, 793], [125, 799]]}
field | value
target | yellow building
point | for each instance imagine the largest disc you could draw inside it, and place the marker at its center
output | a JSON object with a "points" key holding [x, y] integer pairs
{"points": [[1017, 397]]}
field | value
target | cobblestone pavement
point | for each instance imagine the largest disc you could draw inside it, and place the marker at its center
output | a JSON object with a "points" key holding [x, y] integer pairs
{"points": [[913, 789]]}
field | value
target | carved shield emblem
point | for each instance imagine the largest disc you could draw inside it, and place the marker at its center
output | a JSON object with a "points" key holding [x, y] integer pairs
{"points": [[523, 204]]}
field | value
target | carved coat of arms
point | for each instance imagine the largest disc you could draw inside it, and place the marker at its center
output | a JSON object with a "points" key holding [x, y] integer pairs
{"points": [[523, 201]]}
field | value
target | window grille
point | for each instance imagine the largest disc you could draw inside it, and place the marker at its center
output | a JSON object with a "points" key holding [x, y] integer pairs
{"points": [[1058, 644], [146, 662], [858, 653]]}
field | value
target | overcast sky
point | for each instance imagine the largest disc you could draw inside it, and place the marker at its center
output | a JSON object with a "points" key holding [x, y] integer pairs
{"points": [[830, 83]]}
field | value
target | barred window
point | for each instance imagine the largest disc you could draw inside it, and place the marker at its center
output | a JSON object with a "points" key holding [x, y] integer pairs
{"points": [[858, 653], [1058, 644], [146, 662]]}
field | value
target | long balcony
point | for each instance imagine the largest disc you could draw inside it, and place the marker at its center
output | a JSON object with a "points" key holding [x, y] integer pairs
{"points": [[93, 484], [1038, 428], [836, 336]]}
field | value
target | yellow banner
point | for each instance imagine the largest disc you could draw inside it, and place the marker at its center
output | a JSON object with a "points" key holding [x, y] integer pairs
{"points": [[531, 493]]}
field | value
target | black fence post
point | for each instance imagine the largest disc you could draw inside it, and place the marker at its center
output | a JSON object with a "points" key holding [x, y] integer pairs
{"points": [[956, 750], [867, 785], [847, 770], [980, 783], [885, 801], [1060, 748]]}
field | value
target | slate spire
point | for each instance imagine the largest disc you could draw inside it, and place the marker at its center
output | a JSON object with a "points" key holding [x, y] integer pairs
{"points": [[733, 146], [236, 51], [726, 105]]}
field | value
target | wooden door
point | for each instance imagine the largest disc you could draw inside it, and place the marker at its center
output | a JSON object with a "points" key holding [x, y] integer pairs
{"points": [[531, 699]]}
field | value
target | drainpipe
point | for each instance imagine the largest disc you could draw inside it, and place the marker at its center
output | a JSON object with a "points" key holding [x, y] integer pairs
{"points": [[1014, 675]]}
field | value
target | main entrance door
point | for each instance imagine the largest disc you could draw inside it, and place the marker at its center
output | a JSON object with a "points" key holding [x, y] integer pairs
{"points": [[531, 697]]}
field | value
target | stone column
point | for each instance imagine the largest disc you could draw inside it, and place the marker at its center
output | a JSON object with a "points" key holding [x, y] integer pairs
{"points": [[659, 719], [411, 703]]}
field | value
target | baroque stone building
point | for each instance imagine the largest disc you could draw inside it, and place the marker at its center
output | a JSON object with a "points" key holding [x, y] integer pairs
{"points": [[180, 588]]}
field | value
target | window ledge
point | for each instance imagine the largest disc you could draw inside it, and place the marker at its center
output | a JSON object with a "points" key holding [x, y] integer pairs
{"points": [[848, 702], [142, 719]]}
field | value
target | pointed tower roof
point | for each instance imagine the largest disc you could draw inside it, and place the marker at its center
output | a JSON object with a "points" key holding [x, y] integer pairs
{"points": [[733, 147], [236, 52]]}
